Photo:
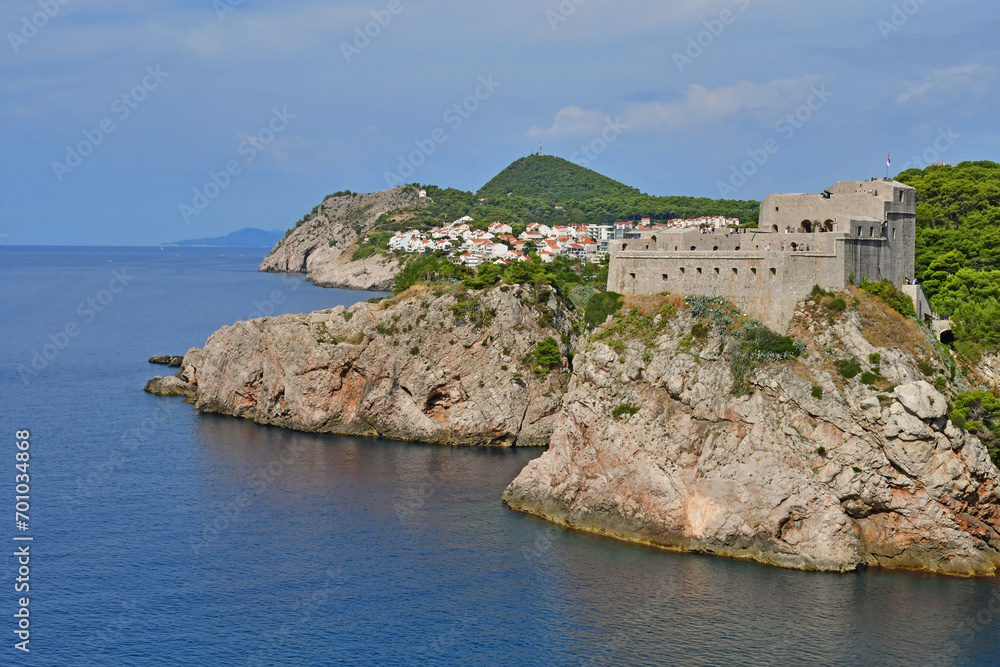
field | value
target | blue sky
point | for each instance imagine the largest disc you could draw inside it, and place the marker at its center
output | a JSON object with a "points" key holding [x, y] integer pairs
{"points": [[744, 97]]}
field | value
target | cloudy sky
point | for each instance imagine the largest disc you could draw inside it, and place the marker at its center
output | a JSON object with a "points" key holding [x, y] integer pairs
{"points": [[132, 123]]}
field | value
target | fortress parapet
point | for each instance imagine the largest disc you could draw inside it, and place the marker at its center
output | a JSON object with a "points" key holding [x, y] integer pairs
{"points": [[866, 229]]}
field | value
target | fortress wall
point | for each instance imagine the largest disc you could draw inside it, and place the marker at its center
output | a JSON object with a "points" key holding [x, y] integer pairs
{"points": [[675, 241], [767, 285], [781, 210], [862, 257]]}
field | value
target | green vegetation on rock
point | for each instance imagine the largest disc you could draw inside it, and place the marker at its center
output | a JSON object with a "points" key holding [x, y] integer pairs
{"points": [[979, 413]]}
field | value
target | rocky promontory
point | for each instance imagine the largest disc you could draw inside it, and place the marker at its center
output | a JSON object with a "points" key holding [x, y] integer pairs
{"points": [[808, 468], [437, 365], [323, 243], [669, 425]]}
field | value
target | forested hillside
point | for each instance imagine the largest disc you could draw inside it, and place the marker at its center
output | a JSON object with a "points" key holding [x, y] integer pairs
{"points": [[958, 248]]}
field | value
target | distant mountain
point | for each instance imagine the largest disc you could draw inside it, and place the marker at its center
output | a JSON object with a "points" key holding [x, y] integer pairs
{"points": [[248, 237], [554, 180]]}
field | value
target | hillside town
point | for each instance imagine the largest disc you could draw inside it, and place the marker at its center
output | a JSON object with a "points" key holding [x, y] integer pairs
{"points": [[497, 244]]}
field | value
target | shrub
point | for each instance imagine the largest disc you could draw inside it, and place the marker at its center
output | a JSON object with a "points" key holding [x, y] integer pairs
{"points": [[869, 378], [837, 305], [940, 383], [875, 358], [348, 314], [818, 292], [925, 368], [600, 306], [546, 356], [817, 392], [979, 413], [624, 409], [758, 346], [699, 331], [848, 368], [886, 291], [414, 350], [821, 451], [856, 469]]}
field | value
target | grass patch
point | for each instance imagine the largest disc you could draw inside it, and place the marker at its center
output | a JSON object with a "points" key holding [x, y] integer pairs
{"points": [[848, 368], [636, 326], [624, 409], [886, 328], [817, 393], [758, 346]]}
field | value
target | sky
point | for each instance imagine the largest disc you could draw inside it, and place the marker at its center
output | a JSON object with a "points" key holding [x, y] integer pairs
{"points": [[141, 122]]}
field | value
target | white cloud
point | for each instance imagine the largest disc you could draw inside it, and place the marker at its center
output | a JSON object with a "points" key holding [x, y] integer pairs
{"points": [[700, 106], [573, 120], [944, 84]]}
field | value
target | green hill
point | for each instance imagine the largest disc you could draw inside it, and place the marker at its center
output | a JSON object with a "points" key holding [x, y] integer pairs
{"points": [[554, 181]]}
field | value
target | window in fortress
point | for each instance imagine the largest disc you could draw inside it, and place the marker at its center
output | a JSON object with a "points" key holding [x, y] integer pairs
{"points": [[699, 270], [774, 272], [871, 232], [754, 272], [893, 233], [693, 248], [716, 270], [682, 272], [736, 271], [737, 248], [715, 247], [665, 277], [632, 276]]}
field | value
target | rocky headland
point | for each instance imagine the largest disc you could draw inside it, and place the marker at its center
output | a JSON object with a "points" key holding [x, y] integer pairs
{"points": [[442, 366], [323, 243], [807, 470], [663, 426]]}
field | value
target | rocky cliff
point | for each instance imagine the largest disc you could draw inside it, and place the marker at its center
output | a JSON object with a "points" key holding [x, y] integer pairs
{"points": [[839, 458], [437, 365], [322, 245], [807, 470]]}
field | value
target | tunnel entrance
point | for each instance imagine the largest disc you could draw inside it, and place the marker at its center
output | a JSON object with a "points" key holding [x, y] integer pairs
{"points": [[947, 337]]}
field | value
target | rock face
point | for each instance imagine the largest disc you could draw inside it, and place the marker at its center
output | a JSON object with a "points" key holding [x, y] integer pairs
{"points": [[444, 367], [166, 360], [321, 247], [169, 386], [787, 475]]}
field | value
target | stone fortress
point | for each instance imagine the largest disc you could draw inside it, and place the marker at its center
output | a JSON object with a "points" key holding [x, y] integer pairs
{"points": [[859, 229]]}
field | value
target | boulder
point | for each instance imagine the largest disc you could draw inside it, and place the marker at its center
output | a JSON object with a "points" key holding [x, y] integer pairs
{"points": [[922, 400], [169, 386]]}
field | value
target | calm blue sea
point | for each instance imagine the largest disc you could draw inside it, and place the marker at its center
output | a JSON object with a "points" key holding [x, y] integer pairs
{"points": [[166, 537]]}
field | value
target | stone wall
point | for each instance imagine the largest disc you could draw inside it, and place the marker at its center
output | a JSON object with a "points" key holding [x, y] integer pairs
{"points": [[860, 229]]}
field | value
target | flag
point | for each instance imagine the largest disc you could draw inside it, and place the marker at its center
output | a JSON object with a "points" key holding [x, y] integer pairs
{"points": [[888, 160]]}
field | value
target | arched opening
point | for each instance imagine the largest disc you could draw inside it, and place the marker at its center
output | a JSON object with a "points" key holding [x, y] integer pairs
{"points": [[828, 226], [737, 248], [806, 226], [653, 239], [774, 228], [693, 248], [715, 247], [795, 246], [624, 246], [947, 337]]}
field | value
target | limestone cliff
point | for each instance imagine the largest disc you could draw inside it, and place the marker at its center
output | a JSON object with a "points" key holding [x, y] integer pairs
{"points": [[322, 246], [808, 470], [440, 366]]}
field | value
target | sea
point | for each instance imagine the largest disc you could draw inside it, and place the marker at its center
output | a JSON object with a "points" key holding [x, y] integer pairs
{"points": [[161, 536]]}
